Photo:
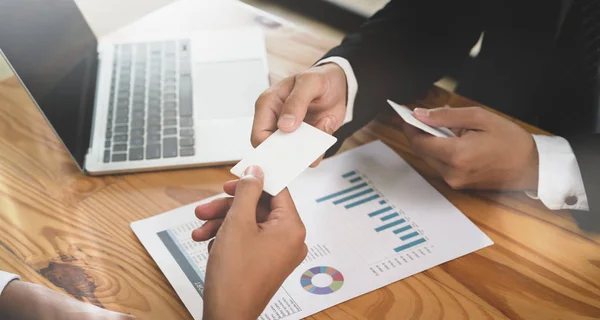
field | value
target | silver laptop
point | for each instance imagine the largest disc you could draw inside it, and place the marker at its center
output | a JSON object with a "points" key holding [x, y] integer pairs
{"points": [[148, 105]]}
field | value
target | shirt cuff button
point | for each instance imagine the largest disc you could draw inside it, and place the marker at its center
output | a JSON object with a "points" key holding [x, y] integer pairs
{"points": [[571, 200]]}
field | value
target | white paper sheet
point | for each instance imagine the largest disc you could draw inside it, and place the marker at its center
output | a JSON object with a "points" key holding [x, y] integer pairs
{"points": [[371, 220]]}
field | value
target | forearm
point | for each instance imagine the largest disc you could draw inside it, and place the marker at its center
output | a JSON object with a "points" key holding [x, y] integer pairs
{"points": [[28, 301], [403, 49], [24, 301]]}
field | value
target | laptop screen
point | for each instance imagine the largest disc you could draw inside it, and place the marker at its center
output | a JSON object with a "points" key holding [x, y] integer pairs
{"points": [[53, 50]]}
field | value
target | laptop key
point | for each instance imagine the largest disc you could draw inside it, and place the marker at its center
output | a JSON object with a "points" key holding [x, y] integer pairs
{"points": [[137, 132], [154, 103], [154, 99], [154, 137], [186, 132], [122, 112], [136, 154], [140, 107], [187, 152], [139, 96], [154, 112], [153, 151], [108, 134], [170, 81], [137, 123], [154, 128], [119, 157], [170, 114], [155, 73], [119, 147], [184, 66], [137, 141], [170, 122], [107, 144], [138, 114], [154, 95], [154, 120], [122, 120], [121, 129], [169, 147], [186, 142], [186, 122], [170, 131], [106, 156], [170, 104], [120, 138], [185, 96], [139, 101]]}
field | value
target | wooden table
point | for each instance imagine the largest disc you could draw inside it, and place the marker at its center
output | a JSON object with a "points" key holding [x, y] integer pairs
{"points": [[70, 232]]}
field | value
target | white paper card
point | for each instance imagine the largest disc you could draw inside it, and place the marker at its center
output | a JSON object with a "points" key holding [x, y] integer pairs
{"points": [[283, 156], [407, 116]]}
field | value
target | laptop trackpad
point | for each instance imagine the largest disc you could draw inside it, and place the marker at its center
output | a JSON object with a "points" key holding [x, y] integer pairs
{"points": [[228, 89]]}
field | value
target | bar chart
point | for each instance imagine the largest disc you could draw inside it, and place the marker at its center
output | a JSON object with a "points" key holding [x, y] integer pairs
{"points": [[360, 196]]}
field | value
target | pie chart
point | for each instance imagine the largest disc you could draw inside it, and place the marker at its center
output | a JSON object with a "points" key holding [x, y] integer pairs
{"points": [[337, 280]]}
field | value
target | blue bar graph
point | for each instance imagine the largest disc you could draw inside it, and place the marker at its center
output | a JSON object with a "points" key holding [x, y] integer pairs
{"points": [[408, 227], [359, 202], [359, 191], [353, 180], [348, 174], [389, 225], [409, 245], [408, 236], [380, 211], [389, 216], [353, 196], [337, 194]]}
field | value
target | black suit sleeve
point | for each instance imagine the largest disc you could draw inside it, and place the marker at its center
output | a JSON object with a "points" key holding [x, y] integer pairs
{"points": [[403, 49], [587, 153]]}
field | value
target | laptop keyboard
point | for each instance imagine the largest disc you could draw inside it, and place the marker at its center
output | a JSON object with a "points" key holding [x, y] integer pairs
{"points": [[150, 109]]}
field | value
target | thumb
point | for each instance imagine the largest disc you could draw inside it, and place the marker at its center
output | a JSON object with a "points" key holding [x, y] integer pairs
{"points": [[474, 118], [247, 194]]}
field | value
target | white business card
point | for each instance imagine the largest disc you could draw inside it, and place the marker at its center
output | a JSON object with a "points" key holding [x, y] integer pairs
{"points": [[407, 116], [284, 156]]}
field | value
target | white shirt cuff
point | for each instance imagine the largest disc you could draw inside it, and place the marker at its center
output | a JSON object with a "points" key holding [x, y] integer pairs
{"points": [[5, 279], [560, 185], [352, 84]]}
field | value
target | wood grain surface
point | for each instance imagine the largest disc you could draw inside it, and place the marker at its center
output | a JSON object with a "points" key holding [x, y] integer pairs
{"points": [[70, 232]]}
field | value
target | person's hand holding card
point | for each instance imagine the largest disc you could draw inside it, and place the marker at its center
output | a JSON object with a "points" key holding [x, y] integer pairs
{"points": [[491, 153], [258, 241]]}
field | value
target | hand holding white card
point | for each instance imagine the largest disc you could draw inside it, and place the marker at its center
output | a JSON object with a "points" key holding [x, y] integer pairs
{"points": [[283, 156], [407, 116]]}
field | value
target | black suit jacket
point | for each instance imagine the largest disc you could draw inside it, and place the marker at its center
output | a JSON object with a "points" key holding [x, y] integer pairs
{"points": [[528, 68]]}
